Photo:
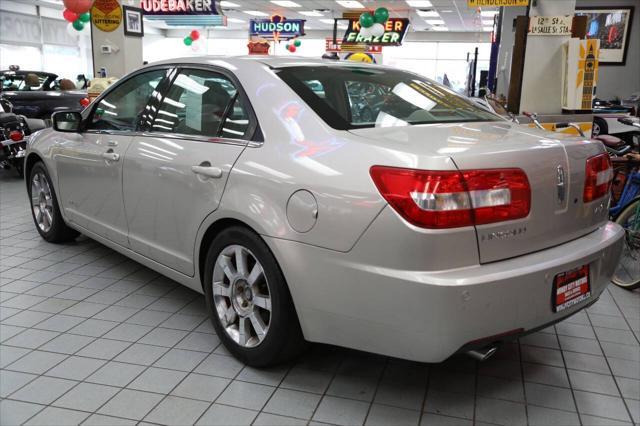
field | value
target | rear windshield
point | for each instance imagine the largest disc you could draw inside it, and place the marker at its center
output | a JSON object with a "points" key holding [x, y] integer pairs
{"points": [[357, 97]]}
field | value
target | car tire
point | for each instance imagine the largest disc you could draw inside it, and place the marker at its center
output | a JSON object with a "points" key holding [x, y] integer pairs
{"points": [[237, 296], [600, 127], [44, 207]]}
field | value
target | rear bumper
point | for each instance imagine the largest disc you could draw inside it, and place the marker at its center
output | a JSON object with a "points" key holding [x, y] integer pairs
{"points": [[429, 315]]}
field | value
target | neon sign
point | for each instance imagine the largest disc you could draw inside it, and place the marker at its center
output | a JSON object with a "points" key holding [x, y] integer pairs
{"points": [[181, 7], [394, 32], [276, 28]]}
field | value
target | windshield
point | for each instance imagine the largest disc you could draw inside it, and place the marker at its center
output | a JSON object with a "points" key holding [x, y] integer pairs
{"points": [[22, 82], [356, 97]]}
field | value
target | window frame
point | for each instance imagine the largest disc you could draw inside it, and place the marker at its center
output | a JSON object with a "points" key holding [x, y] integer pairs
{"points": [[253, 135], [87, 114]]}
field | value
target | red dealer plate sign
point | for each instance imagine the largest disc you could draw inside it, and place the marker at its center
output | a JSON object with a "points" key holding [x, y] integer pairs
{"points": [[570, 288]]}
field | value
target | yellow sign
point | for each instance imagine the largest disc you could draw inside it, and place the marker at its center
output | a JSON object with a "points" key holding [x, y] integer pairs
{"points": [[106, 15], [497, 3]]}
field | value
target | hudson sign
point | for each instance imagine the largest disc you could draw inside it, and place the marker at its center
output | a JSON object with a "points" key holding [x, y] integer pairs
{"points": [[277, 27]]}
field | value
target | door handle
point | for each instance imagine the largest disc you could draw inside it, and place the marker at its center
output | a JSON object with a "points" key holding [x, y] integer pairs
{"points": [[111, 156], [208, 171]]}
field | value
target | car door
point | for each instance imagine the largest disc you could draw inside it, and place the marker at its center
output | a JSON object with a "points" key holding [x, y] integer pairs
{"points": [[89, 164], [175, 173]]}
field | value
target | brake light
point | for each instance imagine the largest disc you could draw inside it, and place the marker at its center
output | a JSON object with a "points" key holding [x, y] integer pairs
{"points": [[598, 177], [16, 135], [451, 199]]}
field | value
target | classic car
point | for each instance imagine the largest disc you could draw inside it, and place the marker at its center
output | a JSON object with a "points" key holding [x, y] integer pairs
{"points": [[438, 227], [37, 94]]}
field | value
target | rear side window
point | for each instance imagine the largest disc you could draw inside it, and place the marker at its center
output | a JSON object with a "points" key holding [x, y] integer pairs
{"points": [[202, 103], [349, 97], [124, 107]]}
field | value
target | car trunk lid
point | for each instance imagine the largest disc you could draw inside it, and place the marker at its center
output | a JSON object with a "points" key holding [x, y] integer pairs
{"points": [[555, 168]]}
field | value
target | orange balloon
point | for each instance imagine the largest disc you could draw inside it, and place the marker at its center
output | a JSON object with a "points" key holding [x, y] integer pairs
{"points": [[78, 6]]}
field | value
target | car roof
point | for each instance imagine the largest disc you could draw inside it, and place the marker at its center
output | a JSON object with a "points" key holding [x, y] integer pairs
{"points": [[260, 60]]}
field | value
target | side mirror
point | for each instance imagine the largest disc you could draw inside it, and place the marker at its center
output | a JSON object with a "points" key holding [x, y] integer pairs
{"points": [[66, 121]]}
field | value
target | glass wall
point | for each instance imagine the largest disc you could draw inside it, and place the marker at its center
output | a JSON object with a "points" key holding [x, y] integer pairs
{"points": [[436, 60], [433, 60]]}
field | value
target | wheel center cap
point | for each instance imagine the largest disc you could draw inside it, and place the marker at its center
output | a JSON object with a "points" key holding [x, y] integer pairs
{"points": [[242, 297]]}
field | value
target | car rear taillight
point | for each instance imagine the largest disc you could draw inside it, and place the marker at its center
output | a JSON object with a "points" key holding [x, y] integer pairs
{"points": [[16, 135], [598, 177], [451, 199]]}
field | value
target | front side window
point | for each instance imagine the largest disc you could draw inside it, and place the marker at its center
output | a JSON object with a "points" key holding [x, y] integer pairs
{"points": [[355, 97], [123, 108], [202, 103]]}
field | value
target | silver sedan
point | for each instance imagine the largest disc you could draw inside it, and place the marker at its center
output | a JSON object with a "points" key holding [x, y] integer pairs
{"points": [[347, 204]]}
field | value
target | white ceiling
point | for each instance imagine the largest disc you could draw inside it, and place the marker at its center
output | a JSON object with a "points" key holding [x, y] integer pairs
{"points": [[455, 13]]}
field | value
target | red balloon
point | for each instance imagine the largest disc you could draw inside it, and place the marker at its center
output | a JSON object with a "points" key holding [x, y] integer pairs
{"points": [[85, 102], [292, 48], [195, 35], [69, 15], [78, 6]]}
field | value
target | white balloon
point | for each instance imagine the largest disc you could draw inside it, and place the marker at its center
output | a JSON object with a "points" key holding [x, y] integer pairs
{"points": [[377, 30], [72, 31], [365, 32], [195, 46]]}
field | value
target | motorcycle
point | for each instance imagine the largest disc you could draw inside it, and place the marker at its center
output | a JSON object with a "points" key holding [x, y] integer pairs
{"points": [[14, 133]]}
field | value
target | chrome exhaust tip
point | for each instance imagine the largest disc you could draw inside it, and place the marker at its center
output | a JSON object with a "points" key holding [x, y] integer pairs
{"points": [[482, 354]]}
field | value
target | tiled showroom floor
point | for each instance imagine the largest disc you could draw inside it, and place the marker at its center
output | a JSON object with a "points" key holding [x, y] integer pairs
{"points": [[90, 337]]}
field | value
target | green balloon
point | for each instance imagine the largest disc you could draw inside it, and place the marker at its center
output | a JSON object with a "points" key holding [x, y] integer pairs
{"points": [[85, 17], [188, 41], [286, 46], [366, 20], [297, 43], [381, 15], [78, 25]]}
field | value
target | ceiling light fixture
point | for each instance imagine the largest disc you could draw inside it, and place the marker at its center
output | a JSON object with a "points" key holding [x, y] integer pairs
{"points": [[434, 21], [419, 3], [350, 4], [224, 3], [236, 20], [310, 13], [428, 13], [255, 13], [285, 3]]}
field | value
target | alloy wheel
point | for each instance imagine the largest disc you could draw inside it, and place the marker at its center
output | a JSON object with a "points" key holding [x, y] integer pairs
{"points": [[241, 296], [42, 201]]}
